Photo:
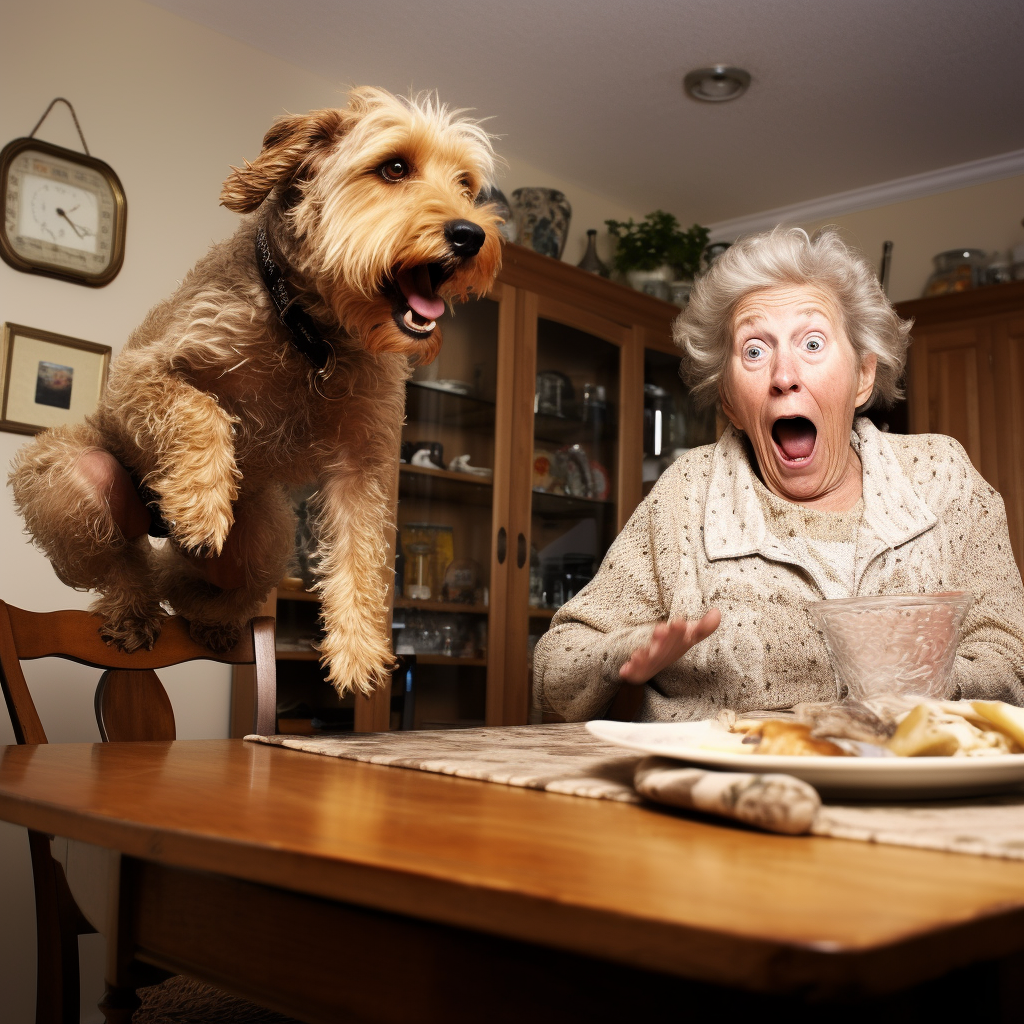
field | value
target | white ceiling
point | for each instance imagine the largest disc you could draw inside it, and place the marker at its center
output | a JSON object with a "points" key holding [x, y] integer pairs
{"points": [[845, 93]]}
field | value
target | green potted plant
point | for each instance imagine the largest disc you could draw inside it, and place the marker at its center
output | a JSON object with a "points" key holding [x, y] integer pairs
{"points": [[656, 251]]}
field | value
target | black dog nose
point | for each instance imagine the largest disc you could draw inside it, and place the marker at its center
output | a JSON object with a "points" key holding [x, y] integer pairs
{"points": [[465, 237]]}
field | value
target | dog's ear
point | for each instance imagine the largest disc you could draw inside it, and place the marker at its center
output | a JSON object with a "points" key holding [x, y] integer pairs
{"points": [[290, 149]]}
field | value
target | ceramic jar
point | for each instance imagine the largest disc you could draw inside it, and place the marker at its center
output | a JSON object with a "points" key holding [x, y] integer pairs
{"points": [[494, 196], [655, 282], [542, 218]]}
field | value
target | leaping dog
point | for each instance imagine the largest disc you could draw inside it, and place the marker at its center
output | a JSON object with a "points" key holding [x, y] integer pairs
{"points": [[280, 361]]}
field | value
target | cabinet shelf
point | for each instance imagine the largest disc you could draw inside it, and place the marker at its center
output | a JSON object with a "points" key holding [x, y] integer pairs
{"points": [[444, 485], [560, 430], [563, 506], [400, 602], [447, 659], [297, 654], [441, 606], [447, 408]]}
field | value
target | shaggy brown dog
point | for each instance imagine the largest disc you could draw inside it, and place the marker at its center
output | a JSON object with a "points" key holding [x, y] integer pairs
{"points": [[280, 361]]}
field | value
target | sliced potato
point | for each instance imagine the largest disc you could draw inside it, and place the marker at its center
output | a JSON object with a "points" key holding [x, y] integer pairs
{"points": [[930, 730], [1005, 717], [963, 708], [921, 735]]}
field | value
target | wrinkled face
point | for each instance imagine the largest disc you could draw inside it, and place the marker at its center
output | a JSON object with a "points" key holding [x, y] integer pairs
{"points": [[381, 197], [792, 384]]}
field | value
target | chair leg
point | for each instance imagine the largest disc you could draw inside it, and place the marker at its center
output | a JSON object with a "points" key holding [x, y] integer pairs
{"points": [[57, 931], [119, 1004]]}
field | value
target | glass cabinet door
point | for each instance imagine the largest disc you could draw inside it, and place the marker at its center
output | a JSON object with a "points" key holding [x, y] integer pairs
{"points": [[443, 560], [575, 468], [672, 423]]}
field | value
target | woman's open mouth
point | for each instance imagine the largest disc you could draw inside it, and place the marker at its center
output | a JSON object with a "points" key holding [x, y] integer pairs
{"points": [[415, 302], [794, 439]]}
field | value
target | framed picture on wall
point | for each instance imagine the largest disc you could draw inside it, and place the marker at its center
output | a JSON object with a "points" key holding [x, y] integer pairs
{"points": [[48, 379]]}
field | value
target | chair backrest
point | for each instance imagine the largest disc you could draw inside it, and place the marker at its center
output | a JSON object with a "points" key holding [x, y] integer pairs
{"points": [[131, 703]]}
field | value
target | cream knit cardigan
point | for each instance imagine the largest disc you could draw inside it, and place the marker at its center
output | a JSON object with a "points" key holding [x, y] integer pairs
{"points": [[700, 540]]}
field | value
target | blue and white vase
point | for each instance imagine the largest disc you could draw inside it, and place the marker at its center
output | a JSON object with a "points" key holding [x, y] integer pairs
{"points": [[542, 218], [494, 196]]}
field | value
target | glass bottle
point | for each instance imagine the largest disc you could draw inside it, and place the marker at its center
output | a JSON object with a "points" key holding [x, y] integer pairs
{"points": [[591, 262]]}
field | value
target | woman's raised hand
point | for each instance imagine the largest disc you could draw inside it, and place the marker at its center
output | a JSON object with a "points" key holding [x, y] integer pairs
{"points": [[669, 642]]}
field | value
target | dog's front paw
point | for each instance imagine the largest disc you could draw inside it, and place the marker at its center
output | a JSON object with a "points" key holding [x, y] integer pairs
{"points": [[362, 666], [219, 637], [199, 519], [131, 633]]}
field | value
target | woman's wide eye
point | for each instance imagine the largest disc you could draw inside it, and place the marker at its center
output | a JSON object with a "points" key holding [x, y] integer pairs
{"points": [[814, 344], [394, 170], [753, 352]]}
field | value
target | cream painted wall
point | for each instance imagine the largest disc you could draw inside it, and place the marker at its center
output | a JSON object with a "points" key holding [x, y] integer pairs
{"points": [[982, 216], [169, 105], [588, 210]]}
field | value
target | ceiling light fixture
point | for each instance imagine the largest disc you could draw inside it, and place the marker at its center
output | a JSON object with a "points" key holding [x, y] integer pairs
{"points": [[717, 83]]}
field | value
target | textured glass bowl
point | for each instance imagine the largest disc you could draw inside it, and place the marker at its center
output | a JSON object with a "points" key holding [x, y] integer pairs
{"points": [[894, 645]]}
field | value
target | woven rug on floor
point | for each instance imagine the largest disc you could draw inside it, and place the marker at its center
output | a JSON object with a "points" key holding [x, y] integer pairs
{"points": [[565, 758], [182, 1000]]}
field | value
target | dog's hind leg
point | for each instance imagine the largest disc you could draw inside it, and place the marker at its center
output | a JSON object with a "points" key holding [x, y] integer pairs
{"points": [[128, 601], [82, 510], [218, 595]]}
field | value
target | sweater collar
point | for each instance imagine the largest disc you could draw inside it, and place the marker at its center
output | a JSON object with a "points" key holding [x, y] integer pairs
{"points": [[734, 523]]}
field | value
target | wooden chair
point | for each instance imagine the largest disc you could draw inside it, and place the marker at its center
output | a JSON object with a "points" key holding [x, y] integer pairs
{"points": [[131, 704]]}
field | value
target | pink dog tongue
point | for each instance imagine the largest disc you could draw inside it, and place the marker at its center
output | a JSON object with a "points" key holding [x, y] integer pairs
{"points": [[795, 437], [419, 292]]}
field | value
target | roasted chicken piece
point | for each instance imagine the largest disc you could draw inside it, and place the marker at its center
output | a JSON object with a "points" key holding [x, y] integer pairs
{"points": [[786, 739]]}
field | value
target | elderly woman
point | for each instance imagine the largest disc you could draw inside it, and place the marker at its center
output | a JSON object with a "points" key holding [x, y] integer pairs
{"points": [[702, 598]]}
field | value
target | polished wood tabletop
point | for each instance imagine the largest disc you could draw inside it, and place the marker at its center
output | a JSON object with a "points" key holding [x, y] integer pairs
{"points": [[630, 884]]}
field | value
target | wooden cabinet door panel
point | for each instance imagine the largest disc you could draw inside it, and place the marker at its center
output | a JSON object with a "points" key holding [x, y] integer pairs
{"points": [[1008, 374], [952, 392]]}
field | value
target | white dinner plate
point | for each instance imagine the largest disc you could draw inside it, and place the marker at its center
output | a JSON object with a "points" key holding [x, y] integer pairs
{"points": [[710, 745]]}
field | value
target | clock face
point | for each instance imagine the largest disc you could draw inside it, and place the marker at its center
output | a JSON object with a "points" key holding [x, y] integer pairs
{"points": [[63, 214]]}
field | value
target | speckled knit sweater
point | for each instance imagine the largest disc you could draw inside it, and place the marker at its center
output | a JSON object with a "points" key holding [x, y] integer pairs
{"points": [[710, 534]]}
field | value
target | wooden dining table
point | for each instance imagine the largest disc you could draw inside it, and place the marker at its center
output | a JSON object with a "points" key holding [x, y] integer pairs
{"points": [[336, 891]]}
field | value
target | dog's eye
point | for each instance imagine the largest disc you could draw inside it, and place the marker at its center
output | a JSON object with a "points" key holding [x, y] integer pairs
{"points": [[394, 170], [466, 185]]}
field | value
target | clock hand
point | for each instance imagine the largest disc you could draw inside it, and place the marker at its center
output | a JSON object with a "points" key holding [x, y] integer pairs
{"points": [[74, 226]]}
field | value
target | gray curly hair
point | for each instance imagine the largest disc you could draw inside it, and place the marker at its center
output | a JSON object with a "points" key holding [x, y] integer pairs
{"points": [[789, 256]]}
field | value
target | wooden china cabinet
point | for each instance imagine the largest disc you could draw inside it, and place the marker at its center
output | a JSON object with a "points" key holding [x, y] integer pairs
{"points": [[554, 404], [562, 390], [965, 378]]}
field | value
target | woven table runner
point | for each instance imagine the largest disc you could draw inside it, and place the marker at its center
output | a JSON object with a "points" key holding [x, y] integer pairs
{"points": [[566, 759]]}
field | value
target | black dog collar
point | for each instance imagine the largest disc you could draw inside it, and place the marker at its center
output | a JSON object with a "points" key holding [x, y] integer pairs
{"points": [[299, 324]]}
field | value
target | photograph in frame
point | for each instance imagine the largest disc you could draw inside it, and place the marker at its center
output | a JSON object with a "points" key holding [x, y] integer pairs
{"points": [[47, 379]]}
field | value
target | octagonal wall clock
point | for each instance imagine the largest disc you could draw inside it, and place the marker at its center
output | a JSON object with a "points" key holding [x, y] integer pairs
{"points": [[62, 213]]}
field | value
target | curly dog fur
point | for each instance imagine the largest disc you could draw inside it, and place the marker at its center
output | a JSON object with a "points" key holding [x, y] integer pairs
{"points": [[372, 210]]}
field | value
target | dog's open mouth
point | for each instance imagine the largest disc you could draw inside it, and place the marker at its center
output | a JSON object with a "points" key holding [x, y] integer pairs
{"points": [[795, 438], [416, 302]]}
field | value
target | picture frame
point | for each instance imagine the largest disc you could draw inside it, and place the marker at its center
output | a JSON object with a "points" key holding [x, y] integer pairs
{"points": [[47, 379]]}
